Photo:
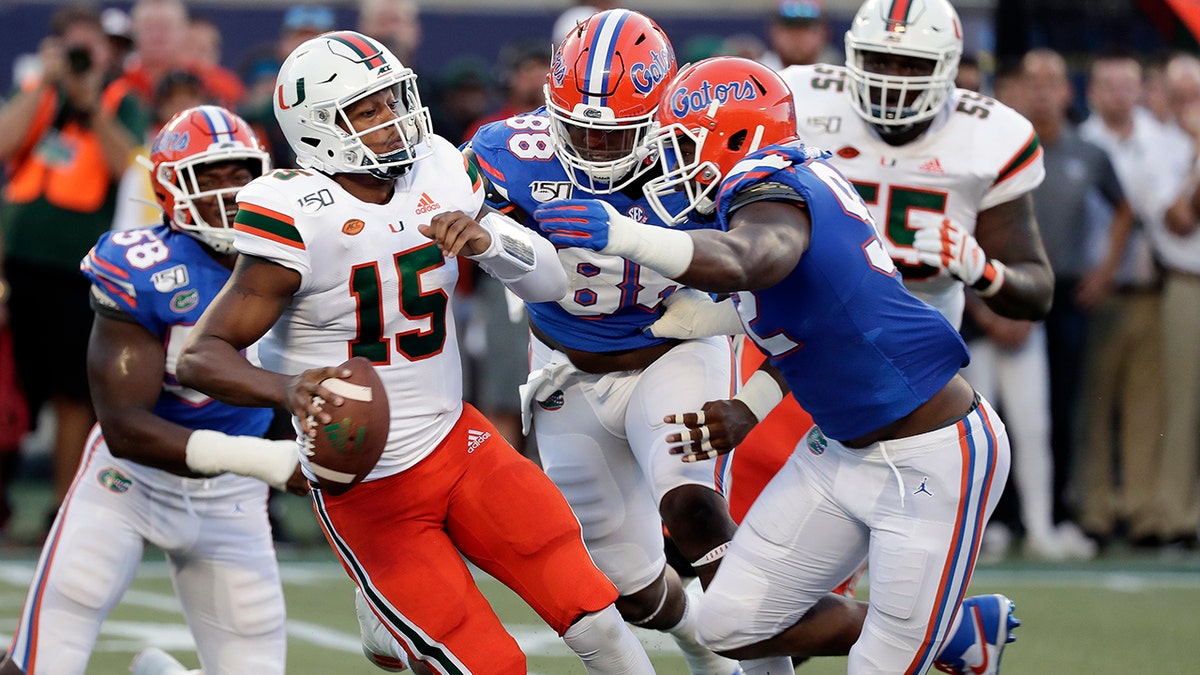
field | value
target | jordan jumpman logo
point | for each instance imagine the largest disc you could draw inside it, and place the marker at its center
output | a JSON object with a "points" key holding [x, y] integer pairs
{"points": [[923, 488]]}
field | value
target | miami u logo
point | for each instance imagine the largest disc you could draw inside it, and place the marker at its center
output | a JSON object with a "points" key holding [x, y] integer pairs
{"points": [[299, 95]]}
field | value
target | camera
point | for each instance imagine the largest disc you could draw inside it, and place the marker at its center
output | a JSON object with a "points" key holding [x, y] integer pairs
{"points": [[79, 60]]}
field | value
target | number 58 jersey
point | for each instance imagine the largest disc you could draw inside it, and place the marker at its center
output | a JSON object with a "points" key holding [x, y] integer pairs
{"points": [[977, 153], [370, 285]]}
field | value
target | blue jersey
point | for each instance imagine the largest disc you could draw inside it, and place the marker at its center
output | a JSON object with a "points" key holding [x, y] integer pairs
{"points": [[610, 299], [857, 349], [163, 280]]}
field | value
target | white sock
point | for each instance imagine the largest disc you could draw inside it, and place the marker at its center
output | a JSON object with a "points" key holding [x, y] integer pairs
{"points": [[606, 645], [772, 665], [700, 659]]}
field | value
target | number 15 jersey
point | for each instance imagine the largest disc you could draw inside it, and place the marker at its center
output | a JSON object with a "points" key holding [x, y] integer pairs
{"points": [[370, 285]]}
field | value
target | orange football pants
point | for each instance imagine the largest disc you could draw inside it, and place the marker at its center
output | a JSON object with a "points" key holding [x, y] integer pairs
{"points": [[402, 539]]}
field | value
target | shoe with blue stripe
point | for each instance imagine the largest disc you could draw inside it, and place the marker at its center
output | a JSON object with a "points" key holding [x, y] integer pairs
{"points": [[985, 626]]}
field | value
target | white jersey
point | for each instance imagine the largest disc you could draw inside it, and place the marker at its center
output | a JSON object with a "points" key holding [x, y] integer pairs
{"points": [[977, 153], [371, 285]]}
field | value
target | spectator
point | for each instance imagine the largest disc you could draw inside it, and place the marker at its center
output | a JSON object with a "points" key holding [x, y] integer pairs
{"points": [[463, 96], [798, 35], [395, 23], [259, 69], [744, 45], [1154, 88], [203, 40], [498, 338], [14, 413], [1038, 365], [1179, 253], [523, 67], [159, 28], [68, 140], [120, 37], [1124, 372], [969, 76], [136, 206]]}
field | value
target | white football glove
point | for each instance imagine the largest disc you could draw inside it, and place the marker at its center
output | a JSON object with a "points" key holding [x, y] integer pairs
{"points": [[948, 246], [693, 314]]}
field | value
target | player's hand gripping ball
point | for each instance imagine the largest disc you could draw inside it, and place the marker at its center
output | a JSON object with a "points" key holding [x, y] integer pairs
{"points": [[344, 451]]}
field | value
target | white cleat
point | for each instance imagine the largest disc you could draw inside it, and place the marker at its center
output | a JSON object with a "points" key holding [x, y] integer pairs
{"points": [[378, 645]]}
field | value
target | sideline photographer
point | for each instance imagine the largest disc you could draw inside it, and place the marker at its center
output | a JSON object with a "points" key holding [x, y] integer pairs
{"points": [[66, 137]]}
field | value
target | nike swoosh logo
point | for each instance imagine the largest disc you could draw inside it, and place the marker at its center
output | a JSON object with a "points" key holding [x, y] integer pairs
{"points": [[982, 639]]}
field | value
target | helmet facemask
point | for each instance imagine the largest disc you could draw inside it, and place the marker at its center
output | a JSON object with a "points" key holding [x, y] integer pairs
{"points": [[192, 140], [183, 181], [602, 154], [605, 82], [897, 102], [412, 124], [679, 151]]}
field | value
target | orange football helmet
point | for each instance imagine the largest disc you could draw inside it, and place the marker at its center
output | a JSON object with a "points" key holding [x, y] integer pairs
{"points": [[714, 113], [605, 80], [192, 138]]}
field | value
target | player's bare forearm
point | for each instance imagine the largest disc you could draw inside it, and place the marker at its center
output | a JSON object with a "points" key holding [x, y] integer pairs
{"points": [[212, 362], [1008, 232], [764, 243], [125, 369]]}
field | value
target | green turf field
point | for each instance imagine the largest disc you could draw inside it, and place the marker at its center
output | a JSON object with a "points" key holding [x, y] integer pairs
{"points": [[1119, 615]]}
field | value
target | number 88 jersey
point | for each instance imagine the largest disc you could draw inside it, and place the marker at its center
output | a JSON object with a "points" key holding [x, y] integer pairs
{"points": [[977, 153], [610, 299]]}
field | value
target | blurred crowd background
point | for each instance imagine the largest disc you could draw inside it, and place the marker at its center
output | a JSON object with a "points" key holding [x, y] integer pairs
{"points": [[1113, 88]]}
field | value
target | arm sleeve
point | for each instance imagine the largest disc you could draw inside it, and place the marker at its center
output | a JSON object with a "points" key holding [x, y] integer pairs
{"points": [[523, 261]]}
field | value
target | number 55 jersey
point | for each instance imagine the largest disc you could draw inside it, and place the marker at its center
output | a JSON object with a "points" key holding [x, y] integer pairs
{"points": [[977, 153]]}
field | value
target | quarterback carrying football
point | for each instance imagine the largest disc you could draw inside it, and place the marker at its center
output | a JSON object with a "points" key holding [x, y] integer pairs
{"points": [[347, 256]]}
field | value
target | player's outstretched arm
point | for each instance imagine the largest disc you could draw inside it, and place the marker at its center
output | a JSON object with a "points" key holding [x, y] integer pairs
{"points": [[763, 244], [520, 259]]}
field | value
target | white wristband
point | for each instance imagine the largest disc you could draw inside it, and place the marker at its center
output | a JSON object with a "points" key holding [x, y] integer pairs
{"points": [[664, 250], [997, 281], [761, 394], [212, 452]]}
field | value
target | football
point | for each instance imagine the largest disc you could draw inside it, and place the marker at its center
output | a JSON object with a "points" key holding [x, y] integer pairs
{"points": [[345, 450]]}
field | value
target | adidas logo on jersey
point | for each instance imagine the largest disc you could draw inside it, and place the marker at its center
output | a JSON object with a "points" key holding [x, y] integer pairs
{"points": [[427, 204], [932, 166], [476, 439]]}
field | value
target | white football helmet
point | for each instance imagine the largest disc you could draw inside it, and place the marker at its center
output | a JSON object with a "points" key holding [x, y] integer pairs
{"points": [[925, 29], [326, 74]]}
